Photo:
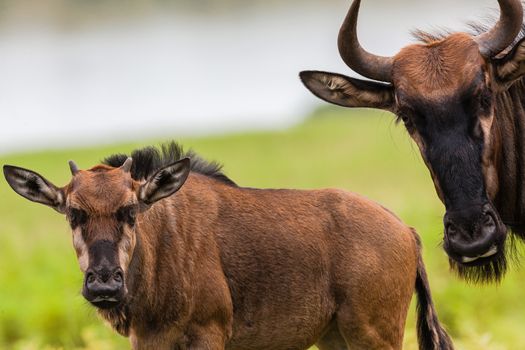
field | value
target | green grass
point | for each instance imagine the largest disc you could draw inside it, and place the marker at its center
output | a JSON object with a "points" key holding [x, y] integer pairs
{"points": [[363, 151]]}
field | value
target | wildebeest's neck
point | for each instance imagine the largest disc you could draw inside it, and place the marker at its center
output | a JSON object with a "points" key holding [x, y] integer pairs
{"points": [[509, 137]]}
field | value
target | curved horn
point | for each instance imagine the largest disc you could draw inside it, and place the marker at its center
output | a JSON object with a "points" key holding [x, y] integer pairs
{"points": [[505, 31], [357, 58], [73, 167], [126, 167]]}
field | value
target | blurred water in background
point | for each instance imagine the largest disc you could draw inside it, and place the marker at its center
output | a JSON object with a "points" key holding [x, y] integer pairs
{"points": [[75, 72]]}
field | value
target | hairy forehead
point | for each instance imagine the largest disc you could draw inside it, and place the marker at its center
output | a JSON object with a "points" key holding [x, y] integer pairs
{"points": [[101, 189], [438, 69]]}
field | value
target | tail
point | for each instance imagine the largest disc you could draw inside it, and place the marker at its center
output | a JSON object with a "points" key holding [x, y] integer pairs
{"points": [[431, 336]]}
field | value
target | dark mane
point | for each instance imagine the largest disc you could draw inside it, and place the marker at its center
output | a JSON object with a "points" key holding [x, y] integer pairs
{"points": [[473, 28], [148, 160]]}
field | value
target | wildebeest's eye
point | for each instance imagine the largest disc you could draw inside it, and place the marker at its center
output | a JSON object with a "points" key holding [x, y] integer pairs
{"points": [[477, 130], [485, 101], [127, 214], [406, 120], [77, 217]]}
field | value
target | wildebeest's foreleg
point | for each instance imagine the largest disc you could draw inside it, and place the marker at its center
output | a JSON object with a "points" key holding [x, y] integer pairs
{"points": [[206, 337], [197, 337], [332, 340], [156, 341]]}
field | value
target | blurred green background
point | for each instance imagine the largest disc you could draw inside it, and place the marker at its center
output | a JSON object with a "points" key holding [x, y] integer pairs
{"points": [[363, 151]]}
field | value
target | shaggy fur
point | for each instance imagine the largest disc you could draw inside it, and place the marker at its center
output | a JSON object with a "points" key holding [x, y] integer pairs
{"points": [[148, 160]]}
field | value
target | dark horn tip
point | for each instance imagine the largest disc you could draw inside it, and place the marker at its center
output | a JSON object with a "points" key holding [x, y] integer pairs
{"points": [[126, 167], [73, 167]]}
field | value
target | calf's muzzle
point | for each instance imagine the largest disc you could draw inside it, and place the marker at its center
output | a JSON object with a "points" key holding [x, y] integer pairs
{"points": [[104, 287]]}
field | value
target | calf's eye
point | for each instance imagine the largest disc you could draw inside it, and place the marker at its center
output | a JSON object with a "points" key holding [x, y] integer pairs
{"points": [[126, 215], [77, 217]]}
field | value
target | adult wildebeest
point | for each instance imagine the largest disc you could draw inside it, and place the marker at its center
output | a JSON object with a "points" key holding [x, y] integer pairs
{"points": [[461, 98], [217, 266]]}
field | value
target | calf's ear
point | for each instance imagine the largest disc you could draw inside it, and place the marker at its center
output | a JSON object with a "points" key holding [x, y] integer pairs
{"points": [[164, 182], [349, 92], [34, 187]]}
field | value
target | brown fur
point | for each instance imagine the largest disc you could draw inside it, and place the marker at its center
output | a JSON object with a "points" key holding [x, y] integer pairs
{"points": [[438, 69]]}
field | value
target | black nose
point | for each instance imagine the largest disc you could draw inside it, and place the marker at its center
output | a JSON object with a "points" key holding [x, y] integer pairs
{"points": [[471, 234], [104, 283]]}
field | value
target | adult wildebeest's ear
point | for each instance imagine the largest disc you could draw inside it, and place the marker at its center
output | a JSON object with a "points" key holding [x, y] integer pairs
{"points": [[34, 187], [164, 182], [512, 66], [349, 92]]}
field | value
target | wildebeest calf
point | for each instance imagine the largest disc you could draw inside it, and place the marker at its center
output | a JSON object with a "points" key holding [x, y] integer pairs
{"points": [[210, 265]]}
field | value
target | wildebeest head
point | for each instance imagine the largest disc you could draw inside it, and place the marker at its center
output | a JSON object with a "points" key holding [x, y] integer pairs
{"points": [[103, 206], [444, 90]]}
